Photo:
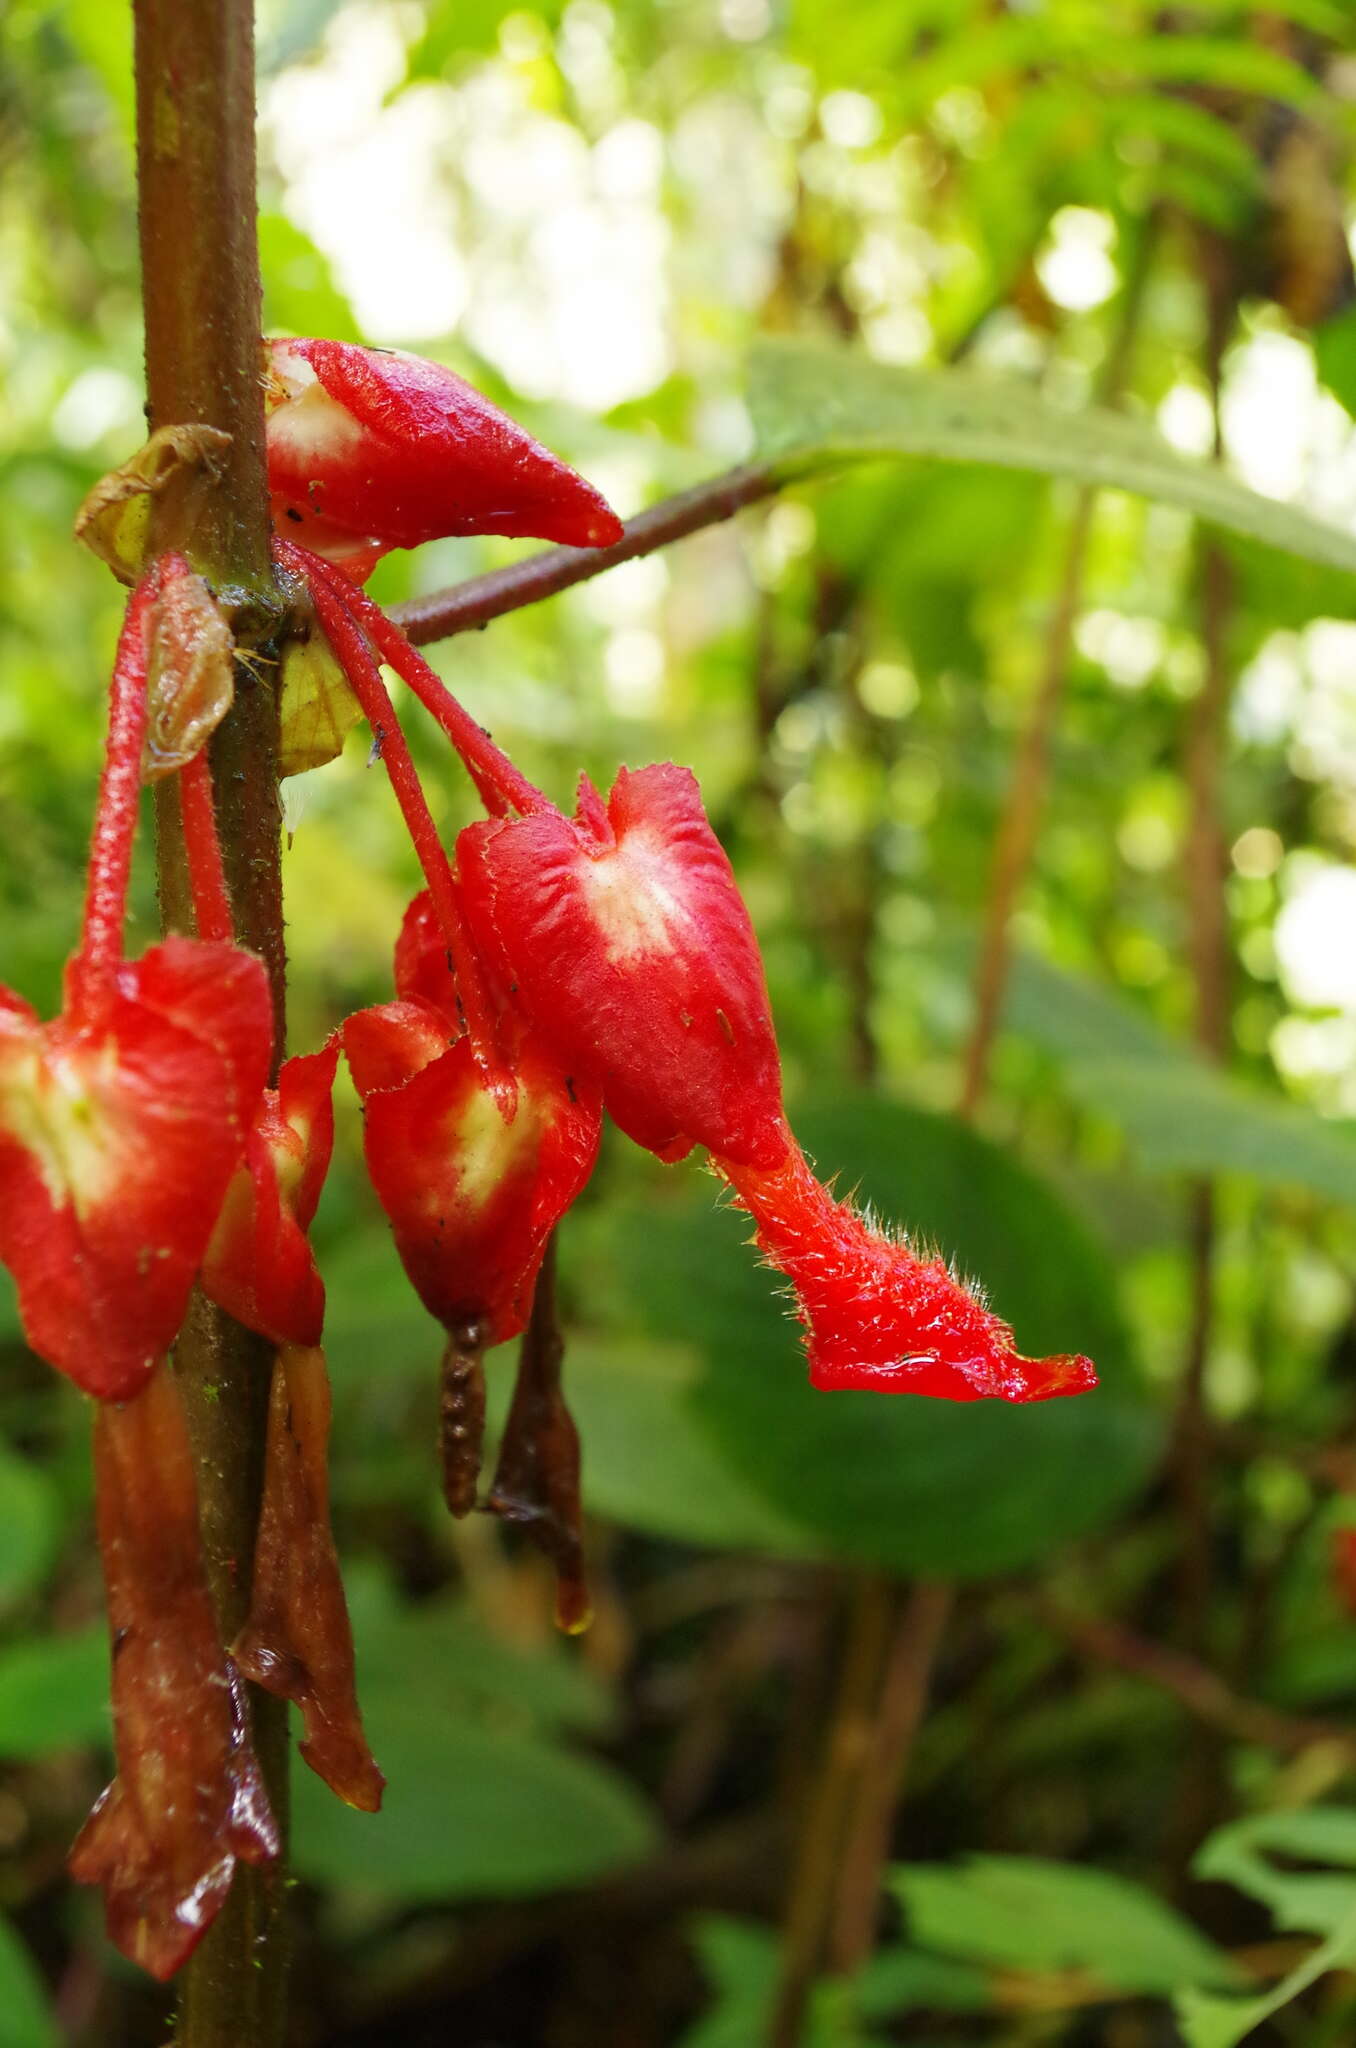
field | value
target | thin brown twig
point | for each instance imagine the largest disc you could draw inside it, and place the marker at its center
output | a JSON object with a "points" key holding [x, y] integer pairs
{"points": [[468, 606], [1204, 1694]]}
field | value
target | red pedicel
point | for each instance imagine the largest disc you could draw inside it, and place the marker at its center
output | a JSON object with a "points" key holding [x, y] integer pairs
{"points": [[122, 1120], [259, 1265], [373, 449], [472, 1195], [188, 1799]]}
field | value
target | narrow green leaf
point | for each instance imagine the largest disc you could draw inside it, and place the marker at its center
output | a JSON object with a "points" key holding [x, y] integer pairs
{"points": [[816, 406]]}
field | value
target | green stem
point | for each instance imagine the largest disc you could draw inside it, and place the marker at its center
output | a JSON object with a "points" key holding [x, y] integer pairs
{"points": [[200, 283]]}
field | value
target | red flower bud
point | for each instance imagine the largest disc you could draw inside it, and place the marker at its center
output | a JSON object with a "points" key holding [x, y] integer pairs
{"points": [[472, 1194], [372, 449], [627, 939], [259, 1265]]}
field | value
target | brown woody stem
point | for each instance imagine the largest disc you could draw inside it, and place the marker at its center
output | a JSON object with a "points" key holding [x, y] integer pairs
{"points": [[200, 282]]}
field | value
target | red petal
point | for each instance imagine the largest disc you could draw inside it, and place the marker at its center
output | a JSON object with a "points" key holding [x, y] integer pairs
{"points": [[472, 1199], [259, 1266], [422, 968], [878, 1316], [386, 448], [630, 948], [117, 1141], [392, 1042]]}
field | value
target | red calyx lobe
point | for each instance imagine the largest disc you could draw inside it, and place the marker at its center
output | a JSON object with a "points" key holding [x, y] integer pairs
{"points": [[120, 1125], [472, 1196], [259, 1265], [372, 449], [876, 1315], [628, 943], [188, 1799]]}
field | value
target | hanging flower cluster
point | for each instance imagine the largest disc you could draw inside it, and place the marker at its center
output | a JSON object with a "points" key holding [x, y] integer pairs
{"points": [[554, 969]]}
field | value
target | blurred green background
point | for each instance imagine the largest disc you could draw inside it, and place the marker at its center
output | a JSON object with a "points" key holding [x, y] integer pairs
{"points": [[594, 211]]}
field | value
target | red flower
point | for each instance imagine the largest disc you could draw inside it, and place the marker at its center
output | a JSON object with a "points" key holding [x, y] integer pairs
{"points": [[259, 1265], [121, 1122], [629, 946], [372, 449], [472, 1193]]}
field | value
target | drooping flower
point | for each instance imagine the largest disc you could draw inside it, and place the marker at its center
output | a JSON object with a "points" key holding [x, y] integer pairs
{"points": [[188, 1799], [121, 1121], [628, 943], [373, 449], [472, 1196]]}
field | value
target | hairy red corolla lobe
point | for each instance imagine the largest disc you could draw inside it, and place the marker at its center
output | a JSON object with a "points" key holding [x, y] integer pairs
{"points": [[625, 938], [297, 1641], [119, 1131], [259, 1265], [876, 1314], [472, 1196], [372, 449], [188, 1799]]}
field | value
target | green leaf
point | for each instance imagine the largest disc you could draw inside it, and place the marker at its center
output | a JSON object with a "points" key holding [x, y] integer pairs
{"points": [[650, 1464], [28, 1516], [1023, 1913], [910, 1484], [436, 1653], [26, 2019], [1199, 1121], [470, 1812], [1307, 1901], [740, 1959], [1181, 1114], [54, 1693], [816, 406]]}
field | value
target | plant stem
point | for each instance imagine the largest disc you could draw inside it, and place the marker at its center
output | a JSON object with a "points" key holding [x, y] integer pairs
{"points": [[200, 283], [468, 606]]}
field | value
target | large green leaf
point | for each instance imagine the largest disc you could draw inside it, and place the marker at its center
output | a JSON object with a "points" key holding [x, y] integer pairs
{"points": [[480, 1799], [1024, 1913], [54, 1693], [816, 406], [1180, 1113], [910, 1484], [26, 2019], [470, 1811], [648, 1461], [28, 1516]]}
